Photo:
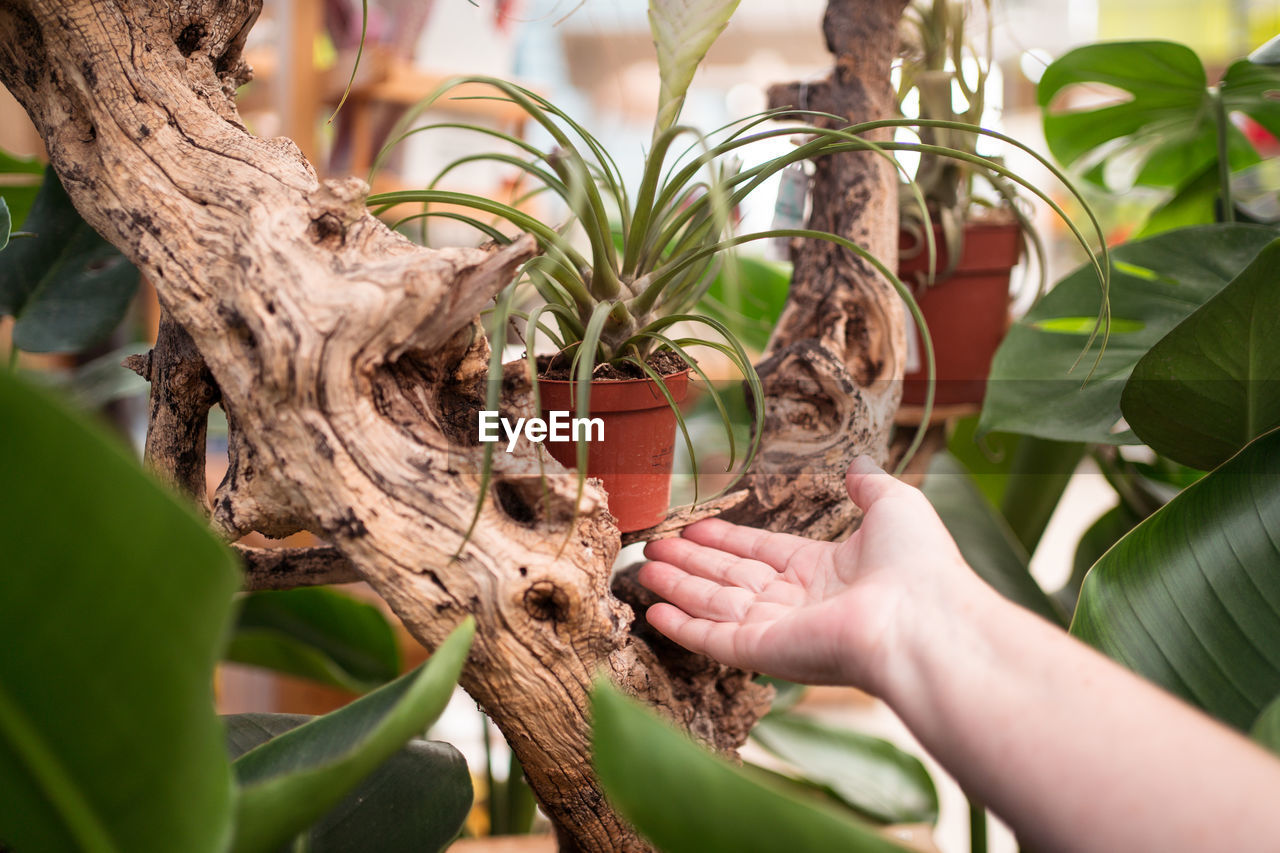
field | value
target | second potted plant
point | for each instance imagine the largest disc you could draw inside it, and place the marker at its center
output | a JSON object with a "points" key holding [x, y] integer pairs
{"points": [[958, 259]]}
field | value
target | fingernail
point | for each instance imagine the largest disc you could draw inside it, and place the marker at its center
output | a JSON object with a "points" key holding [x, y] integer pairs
{"points": [[864, 465]]}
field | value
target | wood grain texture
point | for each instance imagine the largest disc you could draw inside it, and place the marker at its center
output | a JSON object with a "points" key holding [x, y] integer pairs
{"points": [[834, 366]]}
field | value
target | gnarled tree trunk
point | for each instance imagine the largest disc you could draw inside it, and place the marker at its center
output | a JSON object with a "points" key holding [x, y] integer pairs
{"points": [[835, 363], [350, 365]]}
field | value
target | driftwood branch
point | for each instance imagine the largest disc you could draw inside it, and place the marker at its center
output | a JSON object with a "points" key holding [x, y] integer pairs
{"points": [[681, 517], [834, 368], [182, 393], [287, 568]]}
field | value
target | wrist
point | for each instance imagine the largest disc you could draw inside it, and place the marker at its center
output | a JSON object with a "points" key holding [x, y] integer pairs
{"points": [[937, 629]]}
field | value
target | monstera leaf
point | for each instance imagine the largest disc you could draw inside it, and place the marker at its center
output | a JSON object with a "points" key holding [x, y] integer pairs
{"points": [[1167, 128]]}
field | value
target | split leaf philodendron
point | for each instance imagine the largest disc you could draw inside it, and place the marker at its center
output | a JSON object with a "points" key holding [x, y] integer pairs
{"points": [[1172, 130]]}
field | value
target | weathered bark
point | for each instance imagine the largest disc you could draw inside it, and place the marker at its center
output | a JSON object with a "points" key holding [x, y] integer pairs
{"points": [[350, 367], [182, 393], [833, 375], [290, 568]]}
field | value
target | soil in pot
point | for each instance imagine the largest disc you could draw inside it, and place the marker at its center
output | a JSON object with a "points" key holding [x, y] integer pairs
{"points": [[967, 312], [633, 455]]}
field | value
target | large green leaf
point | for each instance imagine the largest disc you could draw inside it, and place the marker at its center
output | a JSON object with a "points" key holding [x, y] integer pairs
{"points": [[1167, 126], [1266, 729], [414, 803], [683, 31], [1190, 598], [1097, 539], [290, 781], [987, 458], [319, 634], [1212, 384], [686, 800], [985, 540], [1155, 284], [1165, 81], [749, 298], [865, 773], [115, 600], [19, 184], [67, 287]]}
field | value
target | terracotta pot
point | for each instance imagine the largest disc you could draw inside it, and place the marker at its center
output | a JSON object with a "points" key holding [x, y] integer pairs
{"points": [[967, 313], [634, 459]]}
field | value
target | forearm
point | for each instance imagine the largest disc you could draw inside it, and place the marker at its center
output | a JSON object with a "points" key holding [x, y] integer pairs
{"points": [[1070, 749]]}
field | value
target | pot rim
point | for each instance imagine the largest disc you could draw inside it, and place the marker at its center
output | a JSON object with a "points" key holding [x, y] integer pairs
{"points": [[617, 382]]}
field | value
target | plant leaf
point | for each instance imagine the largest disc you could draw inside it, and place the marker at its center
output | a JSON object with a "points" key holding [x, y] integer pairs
{"points": [[984, 538], [290, 781], [316, 633], [414, 803], [115, 600], [1266, 729], [1212, 384], [67, 287], [1165, 81], [1167, 117], [20, 186], [1268, 54], [1105, 531], [750, 302], [6, 224], [683, 31], [686, 800], [1190, 598], [1155, 284], [868, 774]]}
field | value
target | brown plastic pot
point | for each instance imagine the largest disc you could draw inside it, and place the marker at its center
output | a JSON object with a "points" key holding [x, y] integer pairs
{"points": [[634, 459], [967, 313]]}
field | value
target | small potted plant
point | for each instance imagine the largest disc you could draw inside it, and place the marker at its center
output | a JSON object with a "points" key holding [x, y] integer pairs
{"points": [[959, 250], [619, 281]]}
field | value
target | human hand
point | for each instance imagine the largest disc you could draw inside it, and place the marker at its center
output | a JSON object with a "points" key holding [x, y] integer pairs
{"points": [[809, 611]]}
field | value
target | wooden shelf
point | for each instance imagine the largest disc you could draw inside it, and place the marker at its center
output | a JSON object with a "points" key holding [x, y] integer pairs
{"points": [[912, 415]]}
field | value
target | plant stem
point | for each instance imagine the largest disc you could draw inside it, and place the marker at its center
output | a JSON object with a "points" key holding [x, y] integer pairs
{"points": [[496, 812], [977, 827], [520, 802], [1224, 164], [1039, 475]]}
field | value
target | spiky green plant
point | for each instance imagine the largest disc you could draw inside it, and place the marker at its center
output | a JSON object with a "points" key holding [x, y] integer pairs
{"points": [[618, 276], [948, 74]]}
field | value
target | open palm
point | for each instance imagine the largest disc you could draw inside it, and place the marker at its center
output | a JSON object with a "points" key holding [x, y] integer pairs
{"points": [[816, 612]]}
